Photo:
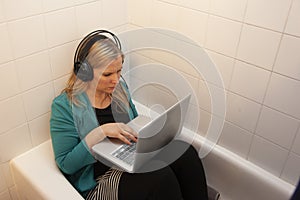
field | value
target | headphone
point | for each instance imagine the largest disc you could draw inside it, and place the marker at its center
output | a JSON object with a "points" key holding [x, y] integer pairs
{"points": [[82, 69]]}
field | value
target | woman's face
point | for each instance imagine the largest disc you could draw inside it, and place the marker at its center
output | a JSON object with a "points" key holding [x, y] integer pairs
{"points": [[109, 76]]}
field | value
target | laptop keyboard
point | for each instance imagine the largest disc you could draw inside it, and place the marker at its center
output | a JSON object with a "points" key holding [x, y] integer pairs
{"points": [[125, 153]]}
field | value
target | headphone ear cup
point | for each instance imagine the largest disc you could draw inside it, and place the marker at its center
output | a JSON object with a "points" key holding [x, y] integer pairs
{"points": [[83, 71]]}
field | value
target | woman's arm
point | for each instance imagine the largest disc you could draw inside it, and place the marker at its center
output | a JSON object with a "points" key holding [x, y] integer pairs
{"points": [[71, 153]]}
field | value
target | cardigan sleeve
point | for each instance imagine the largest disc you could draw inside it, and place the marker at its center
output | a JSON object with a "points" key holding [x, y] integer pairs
{"points": [[70, 151]]}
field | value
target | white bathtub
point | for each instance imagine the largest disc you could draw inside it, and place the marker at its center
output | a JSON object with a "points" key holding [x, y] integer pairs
{"points": [[37, 176]]}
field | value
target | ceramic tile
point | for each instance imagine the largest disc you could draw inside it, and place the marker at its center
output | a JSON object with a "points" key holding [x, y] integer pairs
{"points": [[27, 35], [40, 129], [14, 142], [277, 127], [3, 185], [202, 5], [296, 145], [60, 84], [258, 46], [196, 33], [161, 19], [38, 100], [204, 123], [88, 17], [118, 17], [268, 13], [141, 16], [12, 113], [242, 112], [8, 80], [283, 95], [235, 139], [192, 118], [33, 70], [223, 35], [249, 81], [232, 9], [62, 59], [292, 26], [5, 50], [24, 9], [267, 155], [66, 21], [2, 14], [224, 65], [288, 61], [7, 174], [57, 4], [291, 172]]}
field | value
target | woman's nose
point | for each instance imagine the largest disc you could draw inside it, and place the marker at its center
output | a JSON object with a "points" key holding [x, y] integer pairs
{"points": [[115, 78]]}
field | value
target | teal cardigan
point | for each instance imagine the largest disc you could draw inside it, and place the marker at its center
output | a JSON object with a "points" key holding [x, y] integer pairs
{"points": [[69, 124]]}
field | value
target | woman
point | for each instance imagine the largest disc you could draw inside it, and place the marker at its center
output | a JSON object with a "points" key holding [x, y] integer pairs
{"points": [[95, 104]]}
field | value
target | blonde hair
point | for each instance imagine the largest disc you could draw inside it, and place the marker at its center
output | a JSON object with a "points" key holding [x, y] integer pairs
{"points": [[101, 53]]}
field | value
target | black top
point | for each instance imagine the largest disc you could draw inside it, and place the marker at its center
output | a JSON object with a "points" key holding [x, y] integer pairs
{"points": [[104, 116]]}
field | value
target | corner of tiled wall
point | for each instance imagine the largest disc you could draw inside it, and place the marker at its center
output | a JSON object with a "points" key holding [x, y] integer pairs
{"points": [[255, 46]]}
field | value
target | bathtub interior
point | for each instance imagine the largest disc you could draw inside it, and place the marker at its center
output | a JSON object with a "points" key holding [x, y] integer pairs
{"points": [[37, 176]]}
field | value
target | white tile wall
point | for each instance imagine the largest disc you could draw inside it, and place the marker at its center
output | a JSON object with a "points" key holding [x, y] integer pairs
{"points": [[196, 26], [223, 35], [236, 139], [274, 18], [2, 182], [40, 129], [290, 172], [292, 26], [114, 13], [24, 9], [6, 50], [224, 65], [24, 40], [57, 4], [161, 18], [249, 81], [37, 101], [232, 9], [141, 15], [267, 155], [36, 65], [258, 46], [288, 60], [283, 95], [85, 13], [12, 113], [277, 127], [8, 76], [2, 15], [296, 145], [202, 5], [19, 138], [242, 112], [66, 21], [62, 58]]}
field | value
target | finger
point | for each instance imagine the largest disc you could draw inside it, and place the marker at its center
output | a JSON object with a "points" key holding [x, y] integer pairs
{"points": [[130, 136], [124, 139]]}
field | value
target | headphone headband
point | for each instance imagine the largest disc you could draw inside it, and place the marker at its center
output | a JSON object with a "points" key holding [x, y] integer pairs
{"points": [[82, 69]]}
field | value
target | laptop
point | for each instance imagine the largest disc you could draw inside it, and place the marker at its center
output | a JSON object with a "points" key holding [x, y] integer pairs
{"points": [[153, 135]]}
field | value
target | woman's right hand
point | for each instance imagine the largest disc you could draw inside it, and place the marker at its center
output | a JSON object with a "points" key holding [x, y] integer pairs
{"points": [[119, 130], [114, 130]]}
